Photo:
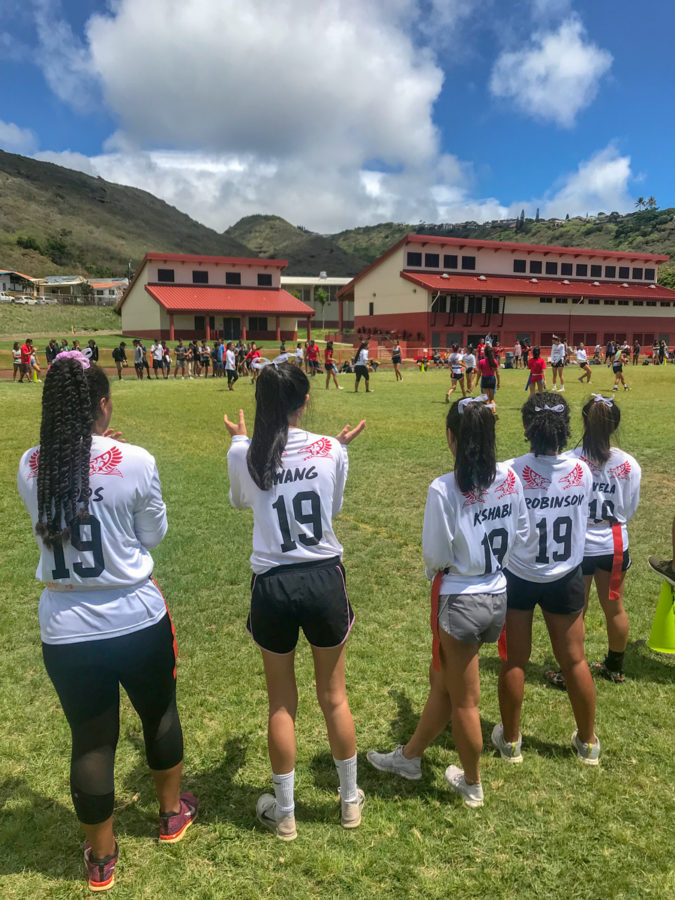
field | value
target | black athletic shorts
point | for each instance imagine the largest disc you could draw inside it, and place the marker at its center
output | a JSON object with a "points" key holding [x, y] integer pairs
{"points": [[590, 564], [396, 360], [617, 367], [469, 371], [231, 375], [329, 367], [311, 596], [457, 376], [563, 597], [488, 382], [361, 371], [157, 364], [560, 364]]}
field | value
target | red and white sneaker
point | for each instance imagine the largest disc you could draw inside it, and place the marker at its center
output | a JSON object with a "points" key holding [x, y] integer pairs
{"points": [[172, 828], [101, 872]]}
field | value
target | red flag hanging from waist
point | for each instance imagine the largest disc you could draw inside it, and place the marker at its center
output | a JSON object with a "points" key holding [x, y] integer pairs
{"points": [[617, 562]]}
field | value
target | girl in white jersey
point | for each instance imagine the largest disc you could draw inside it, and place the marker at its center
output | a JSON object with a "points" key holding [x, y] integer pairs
{"points": [[96, 508], [546, 571], [470, 371], [293, 481], [361, 367], [558, 358], [582, 362], [474, 516], [457, 366], [613, 503]]}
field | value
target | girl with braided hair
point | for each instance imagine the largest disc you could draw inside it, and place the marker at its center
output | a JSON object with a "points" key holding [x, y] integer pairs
{"points": [[546, 570], [97, 510]]}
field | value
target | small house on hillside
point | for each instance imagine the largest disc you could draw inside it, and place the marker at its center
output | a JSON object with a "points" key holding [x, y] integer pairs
{"points": [[174, 295], [18, 283]]}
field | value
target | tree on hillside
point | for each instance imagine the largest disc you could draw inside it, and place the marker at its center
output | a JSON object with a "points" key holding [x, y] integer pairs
{"points": [[640, 203], [321, 296], [651, 203], [536, 217]]}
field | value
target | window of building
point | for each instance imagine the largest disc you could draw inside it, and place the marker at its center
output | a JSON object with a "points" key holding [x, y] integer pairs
{"points": [[610, 271], [431, 260], [651, 302], [468, 262], [637, 274], [200, 276], [577, 301], [520, 265], [624, 272], [535, 267], [638, 302], [551, 268], [593, 301], [609, 302], [414, 259], [650, 274], [233, 278], [566, 268], [624, 302], [582, 270], [371, 309], [264, 279], [596, 271], [450, 261], [257, 323], [456, 304], [561, 299], [546, 299], [492, 305], [665, 303], [164, 274], [474, 304], [453, 337], [111, 292], [200, 323]]}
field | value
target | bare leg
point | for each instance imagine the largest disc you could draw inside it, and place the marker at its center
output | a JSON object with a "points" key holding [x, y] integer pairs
{"points": [[615, 614], [101, 838], [331, 692], [460, 668], [567, 634], [167, 785], [512, 676], [282, 694], [434, 719]]}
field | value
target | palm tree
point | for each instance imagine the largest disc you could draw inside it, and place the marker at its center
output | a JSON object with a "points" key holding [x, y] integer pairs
{"points": [[651, 203], [640, 203]]}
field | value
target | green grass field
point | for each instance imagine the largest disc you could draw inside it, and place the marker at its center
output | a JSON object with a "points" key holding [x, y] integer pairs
{"points": [[549, 828]]}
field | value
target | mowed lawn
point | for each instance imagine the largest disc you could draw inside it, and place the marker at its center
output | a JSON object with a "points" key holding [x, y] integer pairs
{"points": [[549, 828]]}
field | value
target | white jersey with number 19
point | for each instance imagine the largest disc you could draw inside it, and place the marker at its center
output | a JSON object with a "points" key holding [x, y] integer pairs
{"points": [[292, 521], [557, 490]]}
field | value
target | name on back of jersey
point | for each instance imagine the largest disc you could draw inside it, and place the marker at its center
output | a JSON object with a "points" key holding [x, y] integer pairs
{"points": [[285, 476], [492, 513]]}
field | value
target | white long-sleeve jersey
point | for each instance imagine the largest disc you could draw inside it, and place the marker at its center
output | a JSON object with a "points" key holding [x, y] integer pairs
{"points": [[292, 521], [472, 535], [614, 497], [97, 583], [557, 490]]}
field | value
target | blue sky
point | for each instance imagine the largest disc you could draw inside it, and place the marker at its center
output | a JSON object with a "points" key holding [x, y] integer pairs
{"points": [[337, 113]]}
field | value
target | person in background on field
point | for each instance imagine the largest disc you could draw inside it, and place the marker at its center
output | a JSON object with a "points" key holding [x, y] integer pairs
{"points": [[35, 365], [138, 359], [465, 556], [103, 620], [64, 346], [51, 350], [313, 357], [298, 580], [119, 356], [597, 352], [157, 351], [299, 355], [537, 366], [613, 503], [471, 368], [253, 354], [91, 350], [193, 360], [182, 353], [396, 360], [76, 346], [558, 359], [144, 355], [330, 367], [546, 571], [361, 367], [609, 353], [665, 567], [205, 357], [636, 352], [220, 360], [582, 362], [306, 357], [517, 355], [617, 369], [526, 353], [16, 360], [26, 354], [457, 366], [662, 352], [230, 366], [166, 360], [487, 366]]}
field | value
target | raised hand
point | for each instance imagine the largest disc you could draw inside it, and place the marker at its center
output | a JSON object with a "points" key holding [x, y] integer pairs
{"points": [[346, 436], [115, 435], [236, 428]]}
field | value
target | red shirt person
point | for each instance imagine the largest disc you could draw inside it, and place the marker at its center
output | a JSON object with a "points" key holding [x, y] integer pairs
{"points": [[26, 353], [536, 364]]}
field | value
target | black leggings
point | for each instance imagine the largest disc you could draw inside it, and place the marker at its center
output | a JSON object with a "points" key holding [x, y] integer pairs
{"points": [[87, 677]]}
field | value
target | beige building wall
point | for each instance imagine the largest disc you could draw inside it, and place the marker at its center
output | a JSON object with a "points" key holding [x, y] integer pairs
{"points": [[140, 312], [182, 272], [387, 291], [532, 305]]}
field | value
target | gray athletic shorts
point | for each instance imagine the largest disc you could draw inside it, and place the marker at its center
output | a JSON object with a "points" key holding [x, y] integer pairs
{"points": [[472, 618]]}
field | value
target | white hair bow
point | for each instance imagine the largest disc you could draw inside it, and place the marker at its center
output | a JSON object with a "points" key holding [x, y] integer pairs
{"points": [[598, 398], [466, 400], [558, 408], [262, 361]]}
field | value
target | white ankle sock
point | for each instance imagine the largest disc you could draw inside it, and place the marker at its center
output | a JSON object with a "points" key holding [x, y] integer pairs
{"points": [[283, 793], [346, 769]]}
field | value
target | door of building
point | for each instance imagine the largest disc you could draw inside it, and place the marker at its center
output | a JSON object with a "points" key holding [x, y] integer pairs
{"points": [[231, 329]]}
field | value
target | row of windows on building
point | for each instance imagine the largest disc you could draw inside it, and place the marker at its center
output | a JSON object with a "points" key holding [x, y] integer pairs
{"points": [[456, 303], [536, 267], [200, 276], [545, 338], [255, 324], [594, 301]]}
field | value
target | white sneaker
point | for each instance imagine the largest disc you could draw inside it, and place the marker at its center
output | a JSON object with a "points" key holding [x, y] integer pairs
{"points": [[554, 388], [589, 754], [508, 750], [350, 813], [562, 390], [340, 388], [266, 813], [396, 763], [472, 794]]}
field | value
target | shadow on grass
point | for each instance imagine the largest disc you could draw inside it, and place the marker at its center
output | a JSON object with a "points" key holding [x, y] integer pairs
{"points": [[641, 664]]}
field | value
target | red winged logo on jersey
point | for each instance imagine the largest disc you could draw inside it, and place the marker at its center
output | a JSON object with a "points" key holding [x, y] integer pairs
{"points": [[322, 447], [33, 462], [473, 497], [622, 471], [534, 481], [508, 486], [107, 463], [574, 479]]}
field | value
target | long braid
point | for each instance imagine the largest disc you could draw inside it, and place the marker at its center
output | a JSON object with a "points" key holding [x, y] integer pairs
{"points": [[65, 445]]}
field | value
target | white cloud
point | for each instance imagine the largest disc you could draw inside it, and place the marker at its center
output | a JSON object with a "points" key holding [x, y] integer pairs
{"points": [[600, 184], [14, 139], [555, 77]]}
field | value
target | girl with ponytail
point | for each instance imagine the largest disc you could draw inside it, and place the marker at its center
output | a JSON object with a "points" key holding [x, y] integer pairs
{"points": [[474, 517], [97, 511], [293, 481]]}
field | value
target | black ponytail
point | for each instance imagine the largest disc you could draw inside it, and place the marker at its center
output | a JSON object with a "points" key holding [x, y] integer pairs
{"points": [[71, 401], [546, 429], [475, 455], [600, 422], [490, 356], [280, 391]]}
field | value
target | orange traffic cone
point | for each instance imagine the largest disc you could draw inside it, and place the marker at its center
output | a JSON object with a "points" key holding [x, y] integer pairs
{"points": [[662, 635]]}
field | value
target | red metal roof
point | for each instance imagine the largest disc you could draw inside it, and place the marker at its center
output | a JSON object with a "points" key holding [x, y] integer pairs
{"points": [[542, 287], [213, 299], [230, 260]]}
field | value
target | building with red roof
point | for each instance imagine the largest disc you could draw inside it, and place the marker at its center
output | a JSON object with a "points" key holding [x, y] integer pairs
{"points": [[174, 295], [436, 291]]}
